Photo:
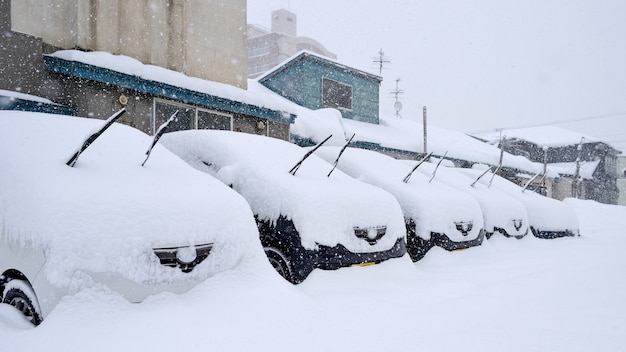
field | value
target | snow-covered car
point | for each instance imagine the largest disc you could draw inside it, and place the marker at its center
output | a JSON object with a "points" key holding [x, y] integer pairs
{"points": [[306, 220], [501, 212], [547, 217], [107, 220], [435, 214]]}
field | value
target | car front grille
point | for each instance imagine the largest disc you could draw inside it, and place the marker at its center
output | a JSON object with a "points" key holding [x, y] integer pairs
{"points": [[185, 258], [370, 234]]}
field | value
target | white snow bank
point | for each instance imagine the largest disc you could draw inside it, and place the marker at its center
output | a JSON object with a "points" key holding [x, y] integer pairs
{"points": [[319, 124], [324, 210], [517, 296], [433, 206], [108, 212]]}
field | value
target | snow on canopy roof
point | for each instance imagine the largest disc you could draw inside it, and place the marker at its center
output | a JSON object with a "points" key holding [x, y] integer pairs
{"points": [[324, 209], [543, 136], [18, 95], [107, 212], [586, 170], [131, 66]]}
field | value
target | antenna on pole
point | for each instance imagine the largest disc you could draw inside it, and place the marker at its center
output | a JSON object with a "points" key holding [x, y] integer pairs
{"points": [[397, 104], [381, 60]]}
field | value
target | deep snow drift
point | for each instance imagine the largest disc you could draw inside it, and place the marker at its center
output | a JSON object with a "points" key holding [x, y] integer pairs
{"points": [[565, 294]]}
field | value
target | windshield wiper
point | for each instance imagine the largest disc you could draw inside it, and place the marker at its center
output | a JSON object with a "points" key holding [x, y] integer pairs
{"points": [[531, 180], [407, 177], [437, 167], [94, 136], [158, 134], [295, 168], [339, 156], [493, 176], [481, 175]]}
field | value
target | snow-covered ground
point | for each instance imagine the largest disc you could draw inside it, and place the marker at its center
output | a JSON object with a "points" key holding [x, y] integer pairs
{"points": [[567, 294]]}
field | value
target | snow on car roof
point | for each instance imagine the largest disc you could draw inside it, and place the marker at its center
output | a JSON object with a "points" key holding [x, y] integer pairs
{"points": [[107, 212], [322, 208], [433, 206]]}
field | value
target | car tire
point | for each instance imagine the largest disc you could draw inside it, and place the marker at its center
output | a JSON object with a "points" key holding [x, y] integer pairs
{"points": [[20, 295], [279, 261], [417, 247]]}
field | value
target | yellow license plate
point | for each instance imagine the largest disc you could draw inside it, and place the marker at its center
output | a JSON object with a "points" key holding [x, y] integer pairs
{"points": [[366, 264]]}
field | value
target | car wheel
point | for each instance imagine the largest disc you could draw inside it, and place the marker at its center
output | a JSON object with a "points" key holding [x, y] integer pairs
{"points": [[417, 247], [20, 295], [280, 262]]}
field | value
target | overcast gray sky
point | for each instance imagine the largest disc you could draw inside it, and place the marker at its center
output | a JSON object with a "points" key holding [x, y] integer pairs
{"points": [[481, 64]]}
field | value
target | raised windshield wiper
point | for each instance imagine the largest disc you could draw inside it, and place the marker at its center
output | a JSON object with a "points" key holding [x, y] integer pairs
{"points": [[295, 168], [94, 136], [530, 181], [493, 176], [158, 135], [407, 177], [437, 167], [339, 156], [479, 177]]}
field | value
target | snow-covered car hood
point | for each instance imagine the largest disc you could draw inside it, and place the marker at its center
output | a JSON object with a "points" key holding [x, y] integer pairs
{"points": [[107, 213], [499, 209], [325, 210], [545, 214], [434, 207]]}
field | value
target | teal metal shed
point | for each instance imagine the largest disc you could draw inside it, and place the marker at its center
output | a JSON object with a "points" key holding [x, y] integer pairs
{"points": [[316, 82]]}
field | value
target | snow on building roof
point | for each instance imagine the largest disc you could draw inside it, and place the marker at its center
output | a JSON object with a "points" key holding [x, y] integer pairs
{"points": [[308, 55], [543, 136], [132, 67]]}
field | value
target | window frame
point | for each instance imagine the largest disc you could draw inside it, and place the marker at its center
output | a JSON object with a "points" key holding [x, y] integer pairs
{"points": [[195, 109], [326, 104]]}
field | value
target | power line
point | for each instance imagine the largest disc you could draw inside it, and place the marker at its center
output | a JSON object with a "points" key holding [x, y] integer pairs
{"points": [[586, 118]]}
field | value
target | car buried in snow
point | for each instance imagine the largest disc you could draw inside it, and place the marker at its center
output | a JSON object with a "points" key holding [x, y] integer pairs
{"points": [[548, 218], [502, 213], [435, 214], [97, 216], [306, 220]]}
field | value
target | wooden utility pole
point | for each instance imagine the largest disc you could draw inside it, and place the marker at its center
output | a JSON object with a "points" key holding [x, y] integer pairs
{"points": [[425, 132]]}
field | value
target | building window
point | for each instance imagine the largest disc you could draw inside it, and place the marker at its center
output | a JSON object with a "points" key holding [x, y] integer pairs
{"points": [[213, 120], [336, 94], [189, 117]]}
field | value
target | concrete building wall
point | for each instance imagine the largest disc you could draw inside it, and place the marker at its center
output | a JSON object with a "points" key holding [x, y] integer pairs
{"points": [[268, 48], [201, 38], [621, 179], [21, 67]]}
